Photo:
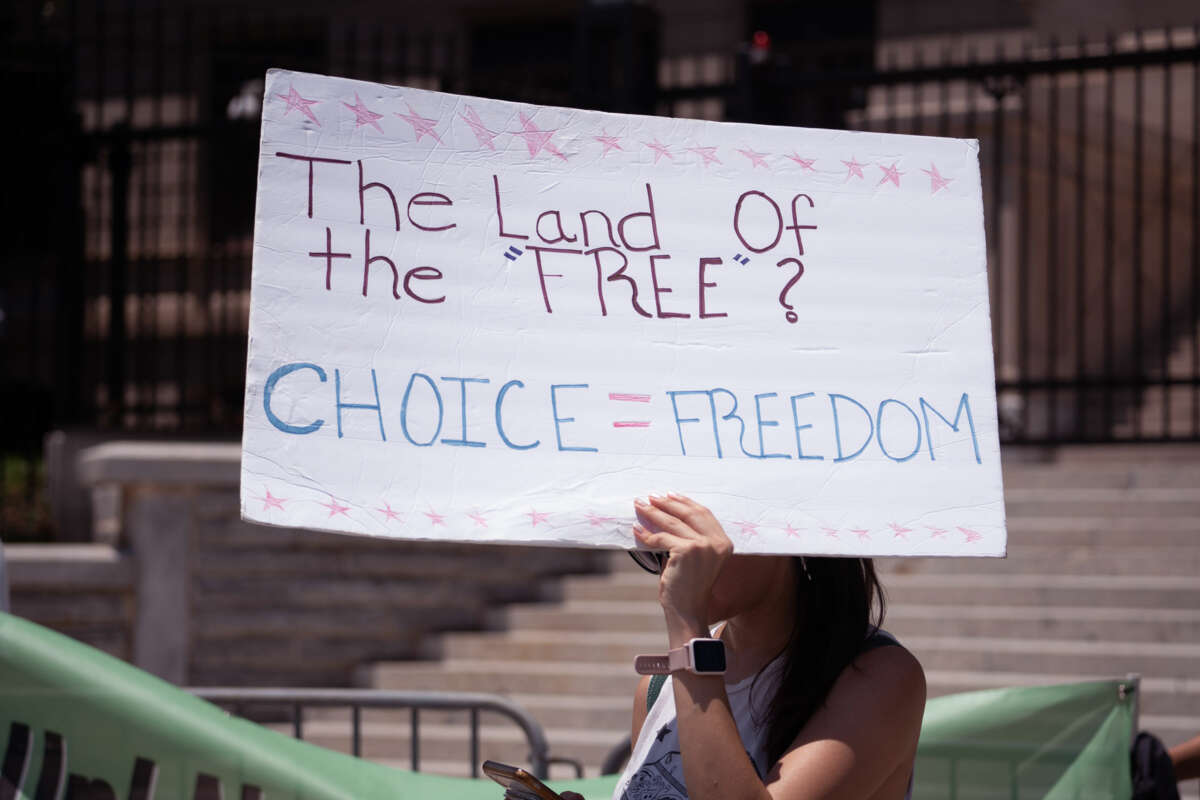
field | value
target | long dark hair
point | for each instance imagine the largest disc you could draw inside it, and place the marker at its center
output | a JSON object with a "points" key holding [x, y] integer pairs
{"points": [[839, 602]]}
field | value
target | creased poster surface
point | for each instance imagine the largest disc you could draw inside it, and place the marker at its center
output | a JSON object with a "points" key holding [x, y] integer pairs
{"points": [[487, 321]]}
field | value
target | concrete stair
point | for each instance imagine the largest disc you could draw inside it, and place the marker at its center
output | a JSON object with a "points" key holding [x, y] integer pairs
{"points": [[1102, 579]]}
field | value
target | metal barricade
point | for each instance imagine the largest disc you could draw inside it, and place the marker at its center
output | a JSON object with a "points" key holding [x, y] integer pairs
{"points": [[358, 699]]}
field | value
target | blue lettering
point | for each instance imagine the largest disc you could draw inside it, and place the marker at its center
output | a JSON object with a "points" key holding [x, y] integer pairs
{"points": [[464, 441], [731, 415], [798, 427], [765, 423], [963, 405], [500, 425], [837, 428], [879, 430], [559, 420], [680, 420], [337, 382], [269, 387], [404, 409]]}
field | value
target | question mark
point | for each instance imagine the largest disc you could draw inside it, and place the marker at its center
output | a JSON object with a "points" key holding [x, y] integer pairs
{"points": [[791, 315]]}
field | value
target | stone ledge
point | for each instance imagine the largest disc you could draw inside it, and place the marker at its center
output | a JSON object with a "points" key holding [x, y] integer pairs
{"points": [[192, 464], [68, 567]]}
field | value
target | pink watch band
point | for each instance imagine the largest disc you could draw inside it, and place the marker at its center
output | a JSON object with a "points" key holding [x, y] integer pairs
{"points": [[674, 660]]}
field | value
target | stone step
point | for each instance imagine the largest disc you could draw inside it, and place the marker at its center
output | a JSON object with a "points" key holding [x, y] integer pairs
{"points": [[1162, 696], [214, 625], [591, 632], [1064, 656], [941, 654], [233, 592], [951, 590], [1101, 475]]}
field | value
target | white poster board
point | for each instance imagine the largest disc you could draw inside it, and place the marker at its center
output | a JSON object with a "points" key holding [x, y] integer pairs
{"points": [[485, 321]]}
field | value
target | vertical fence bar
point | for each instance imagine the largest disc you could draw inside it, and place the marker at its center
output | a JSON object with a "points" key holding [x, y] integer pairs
{"points": [[997, 208], [297, 721], [415, 738], [356, 731], [1195, 238], [119, 164], [1165, 309], [1136, 288], [474, 742], [1109, 241], [1052, 262], [186, 152], [1080, 245], [1026, 250]]}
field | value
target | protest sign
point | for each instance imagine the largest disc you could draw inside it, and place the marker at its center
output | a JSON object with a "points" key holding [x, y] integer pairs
{"points": [[486, 321]]}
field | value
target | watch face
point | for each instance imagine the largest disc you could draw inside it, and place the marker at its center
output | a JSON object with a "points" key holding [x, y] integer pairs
{"points": [[709, 655]]}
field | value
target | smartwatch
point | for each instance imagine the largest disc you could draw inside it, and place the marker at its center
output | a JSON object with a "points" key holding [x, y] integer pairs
{"points": [[699, 656]]}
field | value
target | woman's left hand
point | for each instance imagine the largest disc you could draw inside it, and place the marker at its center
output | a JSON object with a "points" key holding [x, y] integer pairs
{"points": [[698, 548]]}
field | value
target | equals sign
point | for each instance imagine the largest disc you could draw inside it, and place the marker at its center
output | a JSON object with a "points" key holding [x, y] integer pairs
{"points": [[630, 398], [512, 253]]}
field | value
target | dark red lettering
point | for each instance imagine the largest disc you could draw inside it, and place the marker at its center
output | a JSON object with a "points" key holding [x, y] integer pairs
{"points": [[500, 213], [737, 215], [362, 191], [796, 227], [422, 274], [311, 160], [704, 263], [637, 214], [562, 235], [607, 222], [619, 275], [542, 274], [329, 256], [438, 200], [368, 260], [661, 290]]}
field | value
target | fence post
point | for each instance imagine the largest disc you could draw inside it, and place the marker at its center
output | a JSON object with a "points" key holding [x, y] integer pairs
{"points": [[120, 165]]}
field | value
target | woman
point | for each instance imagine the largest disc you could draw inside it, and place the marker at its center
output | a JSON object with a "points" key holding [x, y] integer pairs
{"points": [[812, 703]]}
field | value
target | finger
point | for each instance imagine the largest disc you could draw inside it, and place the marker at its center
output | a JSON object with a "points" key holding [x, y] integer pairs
{"points": [[672, 506], [661, 541], [659, 520]]}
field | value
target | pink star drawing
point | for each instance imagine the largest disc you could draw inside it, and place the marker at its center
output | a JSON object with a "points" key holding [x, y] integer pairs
{"points": [[970, 536], [898, 531], [936, 181], [536, 139], [388, 512], [935, 532], [863, 533], [595, 519], [748, 528], [538, 516], [890, 174], [805, 163], [660, 150], [271, 501], [609, 142], [422, 126], [707, 154], [336, 508], [482, 135], [295, 101], [435, 518], [791, 531], [756, 159], [832, 533], [479, 519], [363, 115], [853, 168]]}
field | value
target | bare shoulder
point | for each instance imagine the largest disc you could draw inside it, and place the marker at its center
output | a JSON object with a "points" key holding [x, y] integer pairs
{"points": [[861, 742], [890, 671], [639, 708]]}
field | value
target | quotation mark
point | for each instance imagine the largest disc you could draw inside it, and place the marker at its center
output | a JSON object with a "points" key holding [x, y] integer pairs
{"points": [[512, 253], [741, 259]]}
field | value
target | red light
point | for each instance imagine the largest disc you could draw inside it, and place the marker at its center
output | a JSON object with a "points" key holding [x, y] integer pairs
{"points": [[761, 40]]}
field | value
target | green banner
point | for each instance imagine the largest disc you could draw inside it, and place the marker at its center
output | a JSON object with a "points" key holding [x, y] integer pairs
{"points": [[81, 724]]}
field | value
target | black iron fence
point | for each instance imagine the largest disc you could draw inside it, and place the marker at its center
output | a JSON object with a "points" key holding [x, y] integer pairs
{"points": [[124, 296]]}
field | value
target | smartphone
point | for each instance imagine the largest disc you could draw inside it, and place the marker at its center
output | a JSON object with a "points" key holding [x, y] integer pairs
{"points": [[518, 784]]}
